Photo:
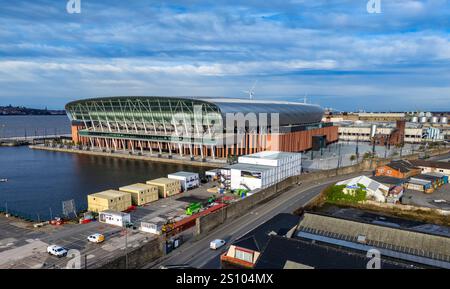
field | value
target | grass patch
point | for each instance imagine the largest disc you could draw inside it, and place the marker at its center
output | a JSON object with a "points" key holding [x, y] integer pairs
{"points": [[335, 194]]}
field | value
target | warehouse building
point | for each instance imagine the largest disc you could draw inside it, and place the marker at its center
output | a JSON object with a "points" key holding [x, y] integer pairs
{"points": [[109, 200], [433, 166], [166, 187], [364, 132], [413, 247], [419, 185], [141, 194], [401, 169], [263, 169], [206, 127]]}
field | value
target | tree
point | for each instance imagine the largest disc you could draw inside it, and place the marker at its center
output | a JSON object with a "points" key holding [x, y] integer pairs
{"points": [[368, 155], [352, 158]]}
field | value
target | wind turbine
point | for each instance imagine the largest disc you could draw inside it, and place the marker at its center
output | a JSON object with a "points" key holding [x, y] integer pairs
{"points": [[251, 92], [305, 99]]}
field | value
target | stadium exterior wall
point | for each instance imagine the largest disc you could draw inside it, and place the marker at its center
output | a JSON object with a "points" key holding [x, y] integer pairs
{"points": [[144, 124]]}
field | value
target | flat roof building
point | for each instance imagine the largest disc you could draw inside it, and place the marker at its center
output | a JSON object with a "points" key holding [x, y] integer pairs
{"points": [[109, 200], [188, 180], [166, 187], [141, 193]]}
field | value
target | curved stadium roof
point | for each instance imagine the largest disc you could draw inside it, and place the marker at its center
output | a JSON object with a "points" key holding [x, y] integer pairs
{"points": [[289, 112]]}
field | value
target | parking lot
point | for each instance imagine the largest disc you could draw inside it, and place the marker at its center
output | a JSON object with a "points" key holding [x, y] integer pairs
{"points": [[417, 198], [23, 246]]}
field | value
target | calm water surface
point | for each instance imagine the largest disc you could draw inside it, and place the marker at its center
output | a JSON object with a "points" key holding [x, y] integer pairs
{"points": [[40, 180]]}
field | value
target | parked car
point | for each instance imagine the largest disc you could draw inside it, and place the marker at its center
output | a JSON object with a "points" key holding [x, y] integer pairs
{"points": [[96, 238], [216, 244], [130, 225], [57, 251]]}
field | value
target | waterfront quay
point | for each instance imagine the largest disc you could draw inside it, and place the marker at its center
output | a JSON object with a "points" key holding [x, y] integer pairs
{"points": [[23, 245], [163, 158]]}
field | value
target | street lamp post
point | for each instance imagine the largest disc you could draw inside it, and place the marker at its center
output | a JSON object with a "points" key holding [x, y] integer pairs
{"points": [[126, 248]]}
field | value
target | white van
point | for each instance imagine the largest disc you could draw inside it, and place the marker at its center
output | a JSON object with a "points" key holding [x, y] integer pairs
{"points": [[216, 244]]}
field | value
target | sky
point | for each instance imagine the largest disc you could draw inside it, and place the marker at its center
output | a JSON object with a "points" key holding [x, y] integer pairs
{"points": [[334, 52]]}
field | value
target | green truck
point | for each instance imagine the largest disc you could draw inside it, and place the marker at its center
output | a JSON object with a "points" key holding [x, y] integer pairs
{"points": [[193, 208], [241, 192]]}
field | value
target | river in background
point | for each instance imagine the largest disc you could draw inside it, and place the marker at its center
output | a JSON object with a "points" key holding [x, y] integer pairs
{"points": [[33, 125]]}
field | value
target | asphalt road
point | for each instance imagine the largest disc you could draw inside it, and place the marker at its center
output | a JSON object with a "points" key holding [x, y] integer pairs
{"points": [[198, 254], [440, 157]]}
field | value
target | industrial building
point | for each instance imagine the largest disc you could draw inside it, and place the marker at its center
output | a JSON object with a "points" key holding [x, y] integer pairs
{"points": [[419, 185], [141, 194], [400, 244], [109, 200], [187, 180], [166, 187], [292, 242], [367, 131], [263, 169], [379, 117], [206, 127], [401, 169], [433, 167]]}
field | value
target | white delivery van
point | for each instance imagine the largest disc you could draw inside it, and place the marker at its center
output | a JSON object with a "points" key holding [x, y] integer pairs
{"points": [[216, 244]]}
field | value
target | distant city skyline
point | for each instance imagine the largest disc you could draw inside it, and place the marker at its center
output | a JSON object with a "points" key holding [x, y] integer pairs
{"points": [[333, 52]]}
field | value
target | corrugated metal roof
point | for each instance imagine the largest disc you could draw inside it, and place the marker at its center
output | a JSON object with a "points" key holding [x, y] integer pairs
{"points": [[289, 112]]}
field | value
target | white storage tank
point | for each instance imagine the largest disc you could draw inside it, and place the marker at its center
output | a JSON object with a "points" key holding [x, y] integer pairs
{"points": [[444, 120], [414, 119], [434, 119], [423, 119]]}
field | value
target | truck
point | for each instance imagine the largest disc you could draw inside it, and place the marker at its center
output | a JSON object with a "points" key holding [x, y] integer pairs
{"points": [[193, 208]]}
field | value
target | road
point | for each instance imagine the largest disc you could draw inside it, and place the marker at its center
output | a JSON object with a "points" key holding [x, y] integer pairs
{"points": [[444, 157], [198, 254]]}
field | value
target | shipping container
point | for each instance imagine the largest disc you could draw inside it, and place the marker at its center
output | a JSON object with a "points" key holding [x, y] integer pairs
{"points": [[166, 187], [109, 200], [141, 193]]}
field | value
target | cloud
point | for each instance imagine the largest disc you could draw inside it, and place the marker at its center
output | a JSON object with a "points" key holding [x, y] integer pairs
{"points": [[218, 48]]}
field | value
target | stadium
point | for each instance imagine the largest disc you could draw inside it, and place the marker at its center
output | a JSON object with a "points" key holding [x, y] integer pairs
{"points": [[196, 126]]}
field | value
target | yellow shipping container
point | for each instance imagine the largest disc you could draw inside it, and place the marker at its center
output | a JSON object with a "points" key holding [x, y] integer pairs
{"points": [[109, 200], [166, 187], [141, 193]]}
